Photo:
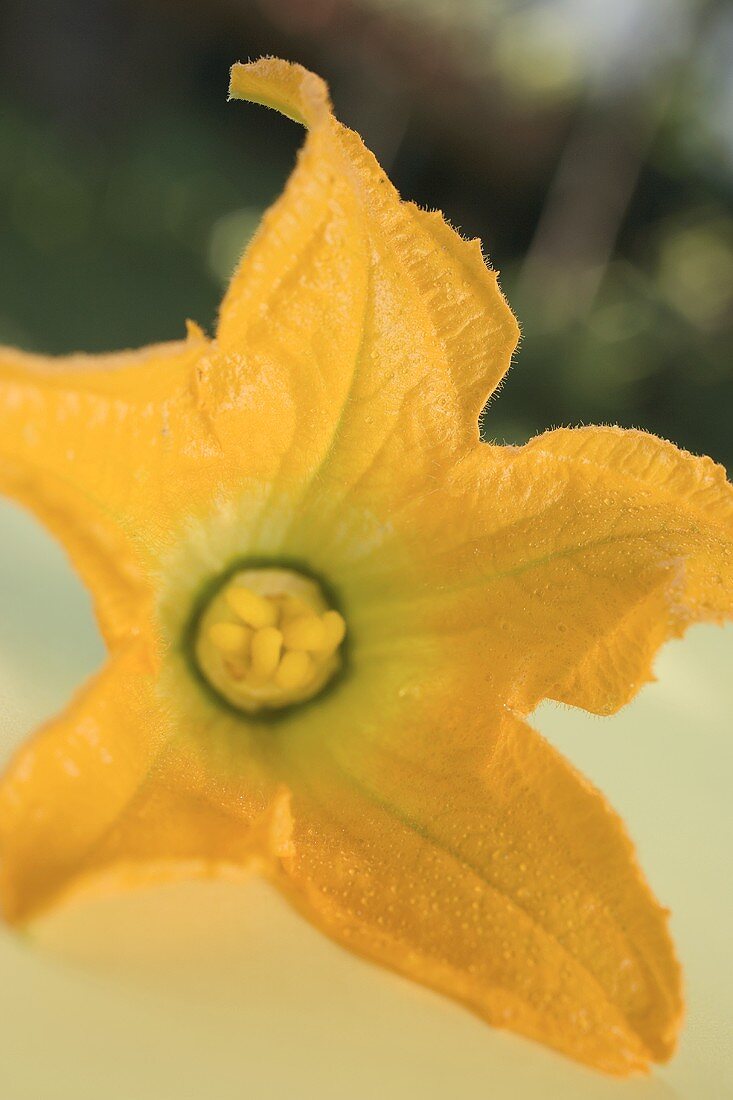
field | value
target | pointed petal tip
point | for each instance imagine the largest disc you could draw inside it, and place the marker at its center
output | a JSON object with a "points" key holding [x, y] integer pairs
{"points": [[194, 332]]}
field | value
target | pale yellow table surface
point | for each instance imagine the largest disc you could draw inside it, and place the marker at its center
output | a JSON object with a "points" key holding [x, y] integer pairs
{"points": [[220, 992]]}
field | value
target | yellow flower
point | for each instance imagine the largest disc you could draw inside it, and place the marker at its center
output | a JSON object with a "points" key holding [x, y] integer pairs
{"points": [[329, 607]]}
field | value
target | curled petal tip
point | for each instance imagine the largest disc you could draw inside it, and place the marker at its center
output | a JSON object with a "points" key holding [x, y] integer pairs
{"points": [[284, 86]]}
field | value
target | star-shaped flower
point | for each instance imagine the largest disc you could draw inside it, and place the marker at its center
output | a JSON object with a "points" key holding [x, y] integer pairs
{"points": [[329, 608]]}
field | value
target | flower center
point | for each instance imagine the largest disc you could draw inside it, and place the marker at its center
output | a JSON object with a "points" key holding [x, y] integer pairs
{"points": [[268, 639]]}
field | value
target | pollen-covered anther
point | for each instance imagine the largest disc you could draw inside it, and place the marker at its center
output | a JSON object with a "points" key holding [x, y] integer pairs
{"points": [[252, 609], [267, 646], [268, 639], [307, 633], [230, 637]]}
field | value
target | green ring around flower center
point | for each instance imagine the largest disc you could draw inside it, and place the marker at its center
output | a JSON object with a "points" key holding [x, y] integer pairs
{"points": [[265, 637]]}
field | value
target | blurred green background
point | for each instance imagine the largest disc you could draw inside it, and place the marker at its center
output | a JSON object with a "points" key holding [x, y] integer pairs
{"points": [[589, 144]]}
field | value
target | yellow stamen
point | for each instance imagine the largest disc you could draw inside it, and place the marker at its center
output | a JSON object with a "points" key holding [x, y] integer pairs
{"points": [[294, 671], [283, 646], [237, 670], [293, 607], [230, 637], [266, 648], [252, 609], [307, 632], [334, 629]]}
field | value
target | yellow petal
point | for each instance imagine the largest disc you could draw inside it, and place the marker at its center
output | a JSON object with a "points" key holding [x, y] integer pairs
{"points": [[110, 794], [109, 452], [367, 323], [562, 566], [66, 786], [468, 855]]}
